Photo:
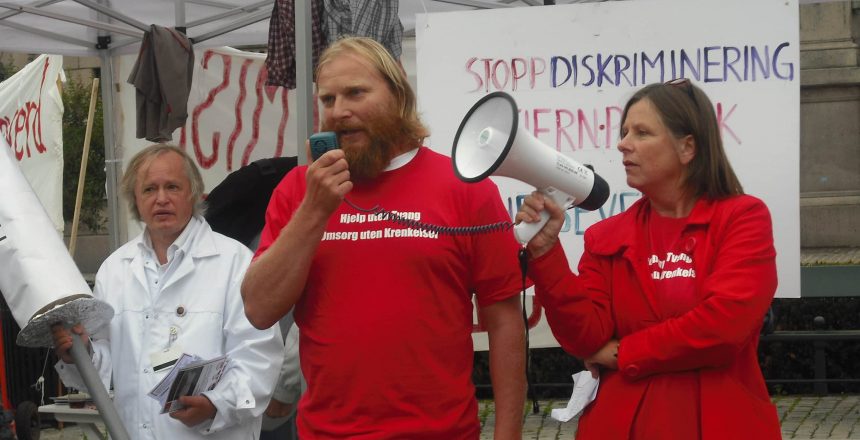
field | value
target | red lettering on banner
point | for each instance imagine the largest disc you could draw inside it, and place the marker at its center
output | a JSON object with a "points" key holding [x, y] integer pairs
{"points": [[285, 107], [241, 84], [255, 121], [25, 126], [722, 122], [237, 110], [282, 126], [206, 162]]}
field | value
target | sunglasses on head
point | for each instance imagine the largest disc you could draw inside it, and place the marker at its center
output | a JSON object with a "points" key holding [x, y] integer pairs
{"points": [[683, 84]]}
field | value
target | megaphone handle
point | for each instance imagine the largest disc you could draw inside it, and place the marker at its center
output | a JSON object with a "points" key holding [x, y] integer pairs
{"points": [[524, 232]]}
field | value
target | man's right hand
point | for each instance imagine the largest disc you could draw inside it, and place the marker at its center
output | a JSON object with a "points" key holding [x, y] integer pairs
{"points": [[327, 181], [63, 340]]}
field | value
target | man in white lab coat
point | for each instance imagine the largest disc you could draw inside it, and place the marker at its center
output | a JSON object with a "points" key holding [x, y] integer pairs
{"points": [[175, 289]]}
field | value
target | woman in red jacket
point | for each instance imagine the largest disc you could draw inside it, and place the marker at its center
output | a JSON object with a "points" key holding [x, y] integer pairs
{"points": [[671, 293]]}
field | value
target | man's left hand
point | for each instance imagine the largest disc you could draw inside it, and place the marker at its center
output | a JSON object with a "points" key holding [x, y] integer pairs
{"points": [[197, 410]]}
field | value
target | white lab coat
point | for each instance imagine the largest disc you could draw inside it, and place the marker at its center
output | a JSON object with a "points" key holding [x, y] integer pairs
{"points": [[206, 285]]}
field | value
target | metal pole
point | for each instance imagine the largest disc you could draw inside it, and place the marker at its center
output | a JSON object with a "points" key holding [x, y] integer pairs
{"points": [[232, 26], [97, 390], [112, 164], [230, 13], [820, 367], [304, 78], [179, 13], [820, 359]]}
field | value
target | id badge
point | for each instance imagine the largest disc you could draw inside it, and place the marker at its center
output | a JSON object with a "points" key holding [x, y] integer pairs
{"points": [[165, 359]]}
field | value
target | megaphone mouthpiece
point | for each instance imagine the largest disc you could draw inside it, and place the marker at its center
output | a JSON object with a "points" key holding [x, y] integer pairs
{"points": [[597, 197]]}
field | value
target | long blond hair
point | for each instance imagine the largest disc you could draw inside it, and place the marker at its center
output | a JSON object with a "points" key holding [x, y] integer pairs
{"points": [[374, 53]]}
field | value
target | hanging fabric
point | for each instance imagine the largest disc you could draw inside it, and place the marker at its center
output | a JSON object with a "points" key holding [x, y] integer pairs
{"points": [[375, 19], [281, 57], [162, 76]]}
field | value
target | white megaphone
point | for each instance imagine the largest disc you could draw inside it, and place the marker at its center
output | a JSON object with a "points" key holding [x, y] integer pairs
{"points": [[490, 141]]}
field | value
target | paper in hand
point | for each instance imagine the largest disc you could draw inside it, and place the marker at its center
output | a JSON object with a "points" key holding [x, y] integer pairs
{"points": [[584, 392], [190, 376]]}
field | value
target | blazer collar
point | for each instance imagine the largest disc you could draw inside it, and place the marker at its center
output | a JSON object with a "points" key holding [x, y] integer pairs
{"points": [[621, 231]]}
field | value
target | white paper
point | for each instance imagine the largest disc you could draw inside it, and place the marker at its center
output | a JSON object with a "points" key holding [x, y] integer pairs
{"points": [[191, 376], [584, 392]]}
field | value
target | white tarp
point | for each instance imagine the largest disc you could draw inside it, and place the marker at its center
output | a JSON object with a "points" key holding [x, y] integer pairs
{"points": [[31, 122], [146, 12], [233, 118], [50, 35]]}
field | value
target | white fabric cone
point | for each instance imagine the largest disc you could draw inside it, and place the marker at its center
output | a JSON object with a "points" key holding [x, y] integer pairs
{"points": [[38, 277]]}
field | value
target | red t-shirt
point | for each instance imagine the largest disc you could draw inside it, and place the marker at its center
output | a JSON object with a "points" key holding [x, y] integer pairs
{"points": [[671, 265], [386, 314], [670, 262]]}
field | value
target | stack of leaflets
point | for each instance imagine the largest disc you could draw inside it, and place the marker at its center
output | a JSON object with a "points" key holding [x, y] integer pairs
{"points": [[191, 376]]}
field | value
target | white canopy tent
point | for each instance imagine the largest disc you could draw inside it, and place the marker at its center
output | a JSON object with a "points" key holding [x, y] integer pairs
{"points": [[106, 28]]}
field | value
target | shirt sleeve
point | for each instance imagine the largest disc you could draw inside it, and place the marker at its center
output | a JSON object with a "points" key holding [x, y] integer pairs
{"points": [[71, 376], [255, 361], [288, 388], [281, 207], [578, 307], [100, 343], [495, 265]]}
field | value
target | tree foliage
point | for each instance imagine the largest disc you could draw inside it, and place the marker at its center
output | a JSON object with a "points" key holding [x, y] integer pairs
{"points": [[76, 100]]}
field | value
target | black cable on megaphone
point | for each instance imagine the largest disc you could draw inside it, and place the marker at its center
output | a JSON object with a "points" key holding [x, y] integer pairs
{"points": [[491, 142]]}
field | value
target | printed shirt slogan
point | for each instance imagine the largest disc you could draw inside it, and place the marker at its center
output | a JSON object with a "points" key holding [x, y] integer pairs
{"points": [[671, 266], [387, 232]]}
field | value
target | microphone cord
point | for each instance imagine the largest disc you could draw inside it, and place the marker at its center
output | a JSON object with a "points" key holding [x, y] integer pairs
{"points": [[524, 264], [442, 230], [471, 230]]}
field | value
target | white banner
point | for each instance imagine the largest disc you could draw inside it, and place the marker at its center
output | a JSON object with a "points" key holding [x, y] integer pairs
{"points": [[233, 117], [31, 122], [571, 69]]}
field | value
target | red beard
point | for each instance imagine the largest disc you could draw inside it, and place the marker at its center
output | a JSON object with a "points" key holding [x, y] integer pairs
{"points": [[368, 159]]}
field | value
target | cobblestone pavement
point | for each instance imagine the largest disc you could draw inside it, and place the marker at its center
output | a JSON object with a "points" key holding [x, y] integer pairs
{"points": [[803, 417]]}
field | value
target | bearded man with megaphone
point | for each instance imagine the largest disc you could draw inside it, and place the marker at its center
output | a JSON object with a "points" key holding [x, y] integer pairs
{"points": [[383, 297]]}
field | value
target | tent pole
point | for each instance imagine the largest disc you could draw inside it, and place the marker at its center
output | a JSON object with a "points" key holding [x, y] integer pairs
{"points": [[48, 34], [231, 13], [82, 175], [71, 19], [112, 164], [179, 12], [304, 78], [233, 25], [113, 14]]}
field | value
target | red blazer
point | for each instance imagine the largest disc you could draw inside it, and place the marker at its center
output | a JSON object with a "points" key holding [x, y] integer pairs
{"points": [[731, 241]]}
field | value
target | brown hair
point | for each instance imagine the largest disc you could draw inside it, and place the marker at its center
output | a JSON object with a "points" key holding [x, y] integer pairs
{"points": [[378, 56], [144, 158], [686, 110]]}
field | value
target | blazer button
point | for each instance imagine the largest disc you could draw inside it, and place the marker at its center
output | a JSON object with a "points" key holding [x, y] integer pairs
{"points": [[690, 244], [631, 370]]}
